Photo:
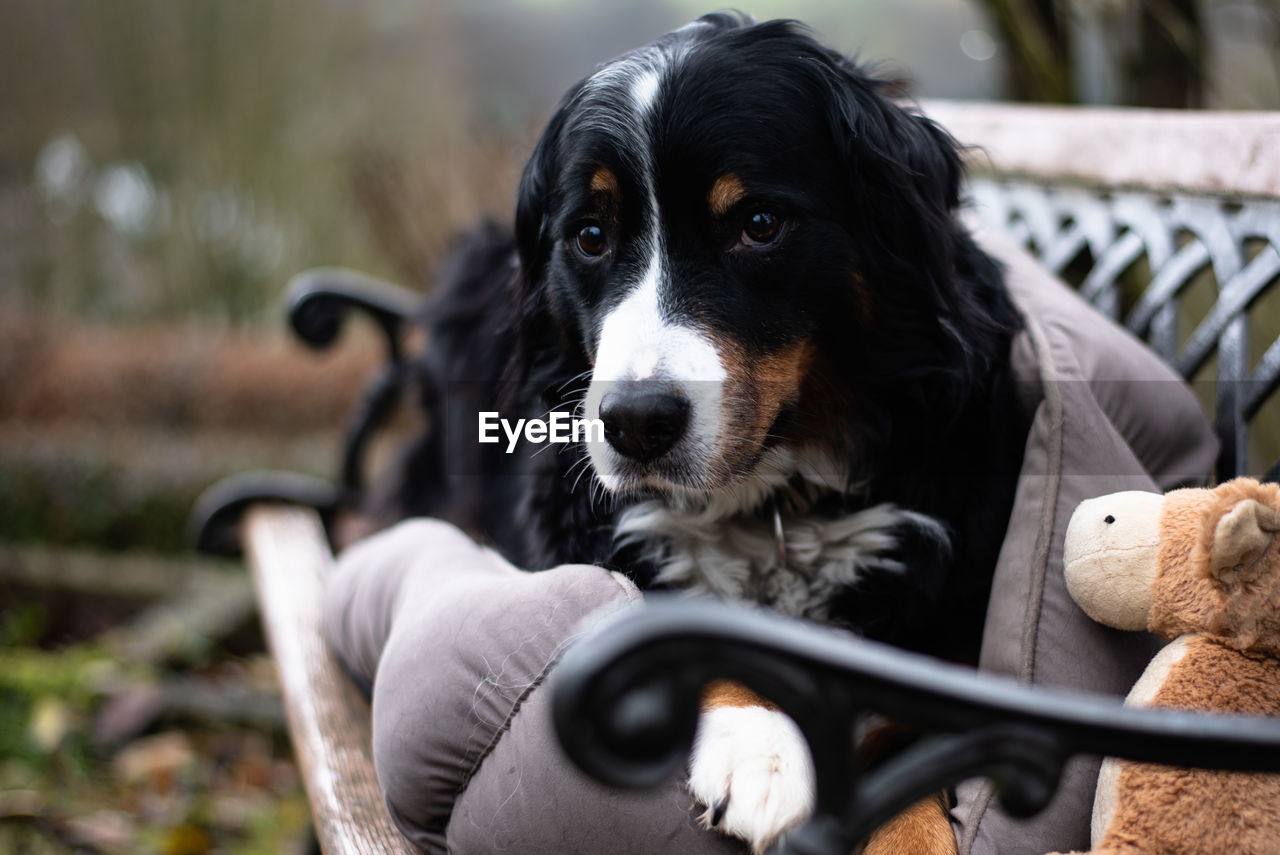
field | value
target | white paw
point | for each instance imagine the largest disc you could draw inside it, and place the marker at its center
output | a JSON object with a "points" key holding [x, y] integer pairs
{"points": [[752, 770]]}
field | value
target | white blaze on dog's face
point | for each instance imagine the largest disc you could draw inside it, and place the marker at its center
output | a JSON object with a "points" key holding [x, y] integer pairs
{"points": [[640, 357], [656, 380]]}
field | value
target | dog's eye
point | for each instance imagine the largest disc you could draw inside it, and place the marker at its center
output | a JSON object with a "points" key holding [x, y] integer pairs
{"points": [[591, 240], [761, 228]]}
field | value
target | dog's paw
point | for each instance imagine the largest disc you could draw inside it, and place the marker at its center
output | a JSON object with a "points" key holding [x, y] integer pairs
{"points": [[752, 770]]}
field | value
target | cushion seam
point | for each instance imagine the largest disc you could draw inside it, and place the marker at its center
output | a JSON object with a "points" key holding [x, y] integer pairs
{"points": [[1040, 555], [632, 594], [501, 731]]}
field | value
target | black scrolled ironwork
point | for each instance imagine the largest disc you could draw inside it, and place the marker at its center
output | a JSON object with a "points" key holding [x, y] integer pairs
{"points": [[1183, 239], [214, 524], [319, 301], [626, 699]]}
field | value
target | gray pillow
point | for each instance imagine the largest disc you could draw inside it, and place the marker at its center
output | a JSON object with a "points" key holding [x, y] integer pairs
{"points": [[457, 643]]}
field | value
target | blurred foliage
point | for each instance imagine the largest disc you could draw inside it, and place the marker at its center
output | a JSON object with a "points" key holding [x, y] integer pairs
{"points": [[173, 160], [168, 159], [91, 503], [206, 789]]}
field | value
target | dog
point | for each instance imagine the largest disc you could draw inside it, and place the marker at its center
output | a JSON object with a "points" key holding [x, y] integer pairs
{"points": [[736, 252]]}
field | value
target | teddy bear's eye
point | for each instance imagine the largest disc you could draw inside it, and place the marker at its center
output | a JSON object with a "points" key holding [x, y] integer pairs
{"points": [[1108, 519]]}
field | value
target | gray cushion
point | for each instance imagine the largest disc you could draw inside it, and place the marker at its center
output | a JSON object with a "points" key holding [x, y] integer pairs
{"points": [[457, 643]]}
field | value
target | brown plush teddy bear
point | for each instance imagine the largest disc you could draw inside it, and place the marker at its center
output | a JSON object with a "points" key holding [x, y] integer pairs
{"points": [[1202, 569]]}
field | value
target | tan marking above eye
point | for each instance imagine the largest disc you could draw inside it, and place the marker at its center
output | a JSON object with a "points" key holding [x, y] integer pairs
{"points": [[725, 193], [604, 181]]}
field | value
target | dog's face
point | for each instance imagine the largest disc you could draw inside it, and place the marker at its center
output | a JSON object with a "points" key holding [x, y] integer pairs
{"points": [[729, 225]]}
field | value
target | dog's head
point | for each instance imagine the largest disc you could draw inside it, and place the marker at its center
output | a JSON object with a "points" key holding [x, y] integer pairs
{"points": [[739, 235]]}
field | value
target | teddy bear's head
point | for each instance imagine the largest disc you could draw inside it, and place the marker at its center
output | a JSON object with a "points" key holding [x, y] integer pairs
{"points": [[1199, 560]]}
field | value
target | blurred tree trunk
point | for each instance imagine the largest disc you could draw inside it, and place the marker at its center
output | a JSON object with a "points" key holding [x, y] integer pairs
{"points": [[1166, 67], [1038, 67], [1158, 49]]}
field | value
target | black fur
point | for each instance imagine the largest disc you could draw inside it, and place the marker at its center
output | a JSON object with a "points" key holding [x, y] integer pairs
{"points": [[915, 355]]}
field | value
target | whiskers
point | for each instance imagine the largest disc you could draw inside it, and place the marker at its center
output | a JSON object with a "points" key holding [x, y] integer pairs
{"points": [[583, 375]]}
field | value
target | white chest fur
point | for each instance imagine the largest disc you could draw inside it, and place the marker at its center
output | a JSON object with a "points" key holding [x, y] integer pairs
{"points": [[737, 555]]}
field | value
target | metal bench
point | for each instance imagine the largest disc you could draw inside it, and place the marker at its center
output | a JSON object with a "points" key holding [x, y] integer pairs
{"points": [[1146, 211]]}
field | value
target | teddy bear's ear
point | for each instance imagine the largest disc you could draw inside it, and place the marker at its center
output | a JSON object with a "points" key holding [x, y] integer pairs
{"points": [[1241, 538]]}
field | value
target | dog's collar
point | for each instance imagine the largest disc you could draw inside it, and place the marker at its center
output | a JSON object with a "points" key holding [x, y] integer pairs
{"points": [[780, 538], [779, 535]]}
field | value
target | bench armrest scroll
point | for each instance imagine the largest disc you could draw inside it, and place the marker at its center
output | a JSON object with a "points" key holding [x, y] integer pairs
{"points": [[319, 301]]}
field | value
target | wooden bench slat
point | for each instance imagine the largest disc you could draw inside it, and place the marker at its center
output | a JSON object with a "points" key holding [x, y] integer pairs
{"points": [[1214, 152], [328, 718]]}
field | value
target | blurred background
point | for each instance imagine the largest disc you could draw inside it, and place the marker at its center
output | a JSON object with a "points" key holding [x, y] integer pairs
{"points": [[165, 167]]}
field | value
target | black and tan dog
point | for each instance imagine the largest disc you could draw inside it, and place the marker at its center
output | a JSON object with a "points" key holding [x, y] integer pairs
{"points": [[742, 257]]}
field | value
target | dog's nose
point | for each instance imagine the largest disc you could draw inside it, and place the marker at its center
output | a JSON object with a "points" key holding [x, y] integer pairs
{"points": [[643, 424]]}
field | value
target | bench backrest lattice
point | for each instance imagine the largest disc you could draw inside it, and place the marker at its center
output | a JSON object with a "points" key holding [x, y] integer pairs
{"points": [[1167, 221], [1182, 272]]}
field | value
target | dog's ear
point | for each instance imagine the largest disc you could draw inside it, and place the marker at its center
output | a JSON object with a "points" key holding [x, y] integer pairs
{"points": [[539, 353], [931, 156], [533, 198], [903, 177], [903, 169]]}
